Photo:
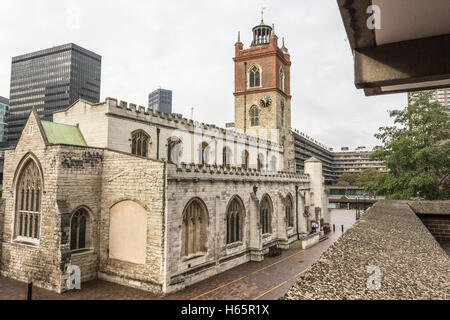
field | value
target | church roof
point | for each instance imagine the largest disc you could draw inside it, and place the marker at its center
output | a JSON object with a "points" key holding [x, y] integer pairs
{"points": [[58, 133]]}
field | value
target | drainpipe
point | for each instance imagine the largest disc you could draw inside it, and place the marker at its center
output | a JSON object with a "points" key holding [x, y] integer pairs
{"points": [[296, 210], [158, 130]]}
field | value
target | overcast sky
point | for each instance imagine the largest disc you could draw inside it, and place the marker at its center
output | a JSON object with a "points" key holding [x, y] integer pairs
{"points": [[188, 46]]}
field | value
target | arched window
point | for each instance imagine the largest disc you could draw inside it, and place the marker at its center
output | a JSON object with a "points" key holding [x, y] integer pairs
{"points": [[266, 215], [194, 228], [245, 159], [254, 116], [174, 150], [226, 156], [235, 220], [289, 211], [260, 161], [79, 230], [254, 77], [204, 153], [282, 77], [282, 114], [273, 164], [28, 201], [140, 142]]}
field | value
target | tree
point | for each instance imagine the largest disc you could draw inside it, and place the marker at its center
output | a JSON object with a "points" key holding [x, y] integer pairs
{"points": [[416, 151], [367, 179], [347, 179]]}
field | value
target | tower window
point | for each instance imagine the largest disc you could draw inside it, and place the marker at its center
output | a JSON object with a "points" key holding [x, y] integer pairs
{"points": [[255, 77], [282, 79], [282, 114], [254, 116]]}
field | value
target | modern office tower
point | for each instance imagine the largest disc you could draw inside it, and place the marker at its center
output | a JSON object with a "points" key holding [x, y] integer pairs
{"points": [[440, 95], [161, 100], [4, 106], [51, 80], [354, 161]]}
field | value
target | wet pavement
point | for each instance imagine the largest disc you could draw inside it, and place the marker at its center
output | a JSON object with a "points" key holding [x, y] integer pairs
{"points": [[267, 280]]}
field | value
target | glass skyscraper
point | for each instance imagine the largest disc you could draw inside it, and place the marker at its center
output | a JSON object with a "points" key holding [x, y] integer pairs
{"points": [[4, 104], [51, 80], [161, 100]]}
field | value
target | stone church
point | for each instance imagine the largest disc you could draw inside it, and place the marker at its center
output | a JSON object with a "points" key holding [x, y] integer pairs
{"points": [[156, 201]]}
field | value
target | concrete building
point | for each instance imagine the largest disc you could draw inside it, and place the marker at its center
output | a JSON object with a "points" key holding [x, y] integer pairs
{"points": [[51, 80], [153, 200], [439, 95], [4, 112], [161, 100], [355, 161]]}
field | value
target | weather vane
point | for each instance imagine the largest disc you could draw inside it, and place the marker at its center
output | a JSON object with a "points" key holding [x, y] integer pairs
{"points": [[262, 13]]}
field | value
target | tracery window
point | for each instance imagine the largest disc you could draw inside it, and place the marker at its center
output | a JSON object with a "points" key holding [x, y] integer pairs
{"points": [[289, 213], [255, 77], [226, 156], [194, 228], [140, 142], [266, 215], [174, 150], [260, 163], [245, 159], [235, 219], [28, 201], [254, 116], [204, 153], [79, 230]]}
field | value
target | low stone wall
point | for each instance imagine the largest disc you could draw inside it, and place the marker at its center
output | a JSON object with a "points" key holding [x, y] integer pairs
{"points": [[435, 215], [391, 239]]}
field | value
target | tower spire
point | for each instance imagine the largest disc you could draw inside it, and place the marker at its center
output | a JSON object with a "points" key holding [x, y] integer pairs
{"points": [[262, 14], [272, 35]]}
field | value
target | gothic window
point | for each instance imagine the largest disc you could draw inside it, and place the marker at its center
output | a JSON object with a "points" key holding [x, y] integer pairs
{"points": [[260, 161], [28, 201], [254, 116], [282, 79], [204, 153], [194, 228], [255, 77], [273, 164], [174, 150], [235, 219], [226, 156], [245, 159], [266, 214], [140, 142], [289, 214], [79, 230]]}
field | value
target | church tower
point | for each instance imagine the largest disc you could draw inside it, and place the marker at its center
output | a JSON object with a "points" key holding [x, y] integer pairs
{"points": [[262, 90]]}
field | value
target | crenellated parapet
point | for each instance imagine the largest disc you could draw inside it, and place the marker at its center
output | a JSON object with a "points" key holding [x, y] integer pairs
{"points": [[198, 172], [176, 121]]}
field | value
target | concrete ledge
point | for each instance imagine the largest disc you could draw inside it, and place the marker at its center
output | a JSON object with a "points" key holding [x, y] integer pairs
{"points": [[391, 237], [310, 240]]}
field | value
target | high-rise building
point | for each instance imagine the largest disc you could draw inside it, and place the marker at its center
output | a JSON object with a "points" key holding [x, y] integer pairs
{"points": [[439, 95], [355, 161], [51, 80], [161, 100], [4, 106]]}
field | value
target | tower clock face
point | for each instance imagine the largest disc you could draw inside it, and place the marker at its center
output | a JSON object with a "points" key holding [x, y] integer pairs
{"points": [[266, 101]]}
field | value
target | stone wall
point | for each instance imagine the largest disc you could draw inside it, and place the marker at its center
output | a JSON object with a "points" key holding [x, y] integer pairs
{"points": [[216, 187], [127, 177], [435, 215]]}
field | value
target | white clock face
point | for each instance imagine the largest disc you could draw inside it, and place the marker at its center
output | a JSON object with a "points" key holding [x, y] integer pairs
{"points": [[266, 101]]}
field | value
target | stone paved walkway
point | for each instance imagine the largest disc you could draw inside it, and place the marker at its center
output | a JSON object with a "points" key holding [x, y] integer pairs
{"points": [[265, 280]]}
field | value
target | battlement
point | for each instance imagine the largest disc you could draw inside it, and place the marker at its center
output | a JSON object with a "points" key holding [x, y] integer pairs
{"points": [[176, 120], [191, 170]]}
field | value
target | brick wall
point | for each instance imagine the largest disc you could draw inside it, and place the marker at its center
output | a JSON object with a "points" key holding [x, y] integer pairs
{"points": [[438, 225]]}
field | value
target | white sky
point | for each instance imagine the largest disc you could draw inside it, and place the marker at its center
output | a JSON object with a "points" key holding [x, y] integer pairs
{"points": [[188, 45]]}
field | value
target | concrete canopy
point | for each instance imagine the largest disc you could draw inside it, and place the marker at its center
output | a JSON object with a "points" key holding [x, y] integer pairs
{"points": [[410, 50]]}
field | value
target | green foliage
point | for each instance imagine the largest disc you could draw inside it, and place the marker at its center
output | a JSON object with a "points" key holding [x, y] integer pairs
{"points": [[347, 179], [367, 179], [416, 152]]}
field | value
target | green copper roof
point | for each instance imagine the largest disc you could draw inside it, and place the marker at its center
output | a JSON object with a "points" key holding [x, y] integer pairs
{"points": [[58, 133]]}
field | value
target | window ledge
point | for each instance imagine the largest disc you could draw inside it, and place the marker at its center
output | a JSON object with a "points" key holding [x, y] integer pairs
{"points": [[79, 252], [266, 235], [234, 245], [28, 242], [194, 256]]}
